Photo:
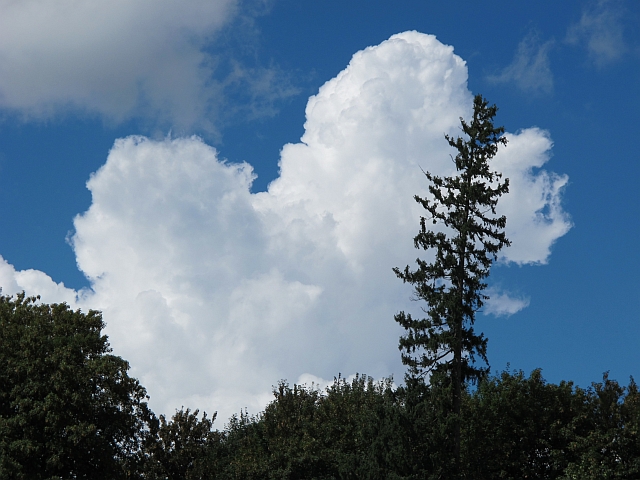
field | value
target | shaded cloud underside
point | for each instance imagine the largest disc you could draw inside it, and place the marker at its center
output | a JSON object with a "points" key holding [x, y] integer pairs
{"points": [[152, 60], [214, 293]]}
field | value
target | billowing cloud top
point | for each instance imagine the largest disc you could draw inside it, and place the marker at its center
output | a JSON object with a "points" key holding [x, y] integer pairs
{"points": [[214, 293]]}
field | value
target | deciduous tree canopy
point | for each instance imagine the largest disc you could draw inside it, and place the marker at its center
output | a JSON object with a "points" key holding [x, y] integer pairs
{"points": [[68, 409]]}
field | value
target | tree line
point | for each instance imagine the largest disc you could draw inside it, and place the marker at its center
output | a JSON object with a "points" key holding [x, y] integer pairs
{"points": [[69, 410]]}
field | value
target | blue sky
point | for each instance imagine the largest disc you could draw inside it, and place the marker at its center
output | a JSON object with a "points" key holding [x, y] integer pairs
{"points": [[239, 75]]}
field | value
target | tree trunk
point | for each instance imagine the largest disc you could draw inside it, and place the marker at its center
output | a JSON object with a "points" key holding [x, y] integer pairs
{"points": [[457, 394], [457, 355]]}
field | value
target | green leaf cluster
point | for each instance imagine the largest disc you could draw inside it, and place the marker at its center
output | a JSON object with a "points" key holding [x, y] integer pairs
{"points": [[306, 433], [178, 449], [68, 409], [513, 427]]}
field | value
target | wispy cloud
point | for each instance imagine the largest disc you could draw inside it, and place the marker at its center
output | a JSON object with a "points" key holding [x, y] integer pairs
{"points": [[256, 91], [600, 31], [530, 70]]}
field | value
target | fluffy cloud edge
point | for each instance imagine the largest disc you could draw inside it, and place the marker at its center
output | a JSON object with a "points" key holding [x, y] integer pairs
{"points": [[503, 303]]}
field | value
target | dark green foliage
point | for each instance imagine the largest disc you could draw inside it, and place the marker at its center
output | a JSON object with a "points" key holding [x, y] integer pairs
{"points": [[517, 427], [514, 427], [358, 422], [452, 284], [445, 344], [426, 427], [179, 449], [346, 432], [68, 409], [610, 447], [284, 443]]}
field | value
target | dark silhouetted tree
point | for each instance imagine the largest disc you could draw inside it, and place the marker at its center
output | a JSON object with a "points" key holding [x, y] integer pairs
{"points": [[444, 344], [179, 449], [68, 409]]}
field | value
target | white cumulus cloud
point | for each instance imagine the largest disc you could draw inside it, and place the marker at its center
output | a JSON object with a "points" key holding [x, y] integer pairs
{"points": [[503, 304], [35, 282], [535, 218], [214, 293]]}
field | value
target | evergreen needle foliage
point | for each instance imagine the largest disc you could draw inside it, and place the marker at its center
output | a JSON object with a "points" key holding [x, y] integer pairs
{"points": [[445, 344]]}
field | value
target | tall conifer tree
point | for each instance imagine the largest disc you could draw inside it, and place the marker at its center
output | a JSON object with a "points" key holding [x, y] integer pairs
{"points": [[444, 344]]}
